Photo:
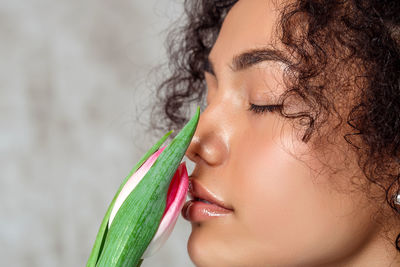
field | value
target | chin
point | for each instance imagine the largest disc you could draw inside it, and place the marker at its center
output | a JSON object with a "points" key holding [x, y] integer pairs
{"points": [[207, 250], [198, 250]]}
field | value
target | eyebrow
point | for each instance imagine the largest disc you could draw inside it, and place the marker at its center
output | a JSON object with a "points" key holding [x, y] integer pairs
{"points": [[253, 57], [250, 58]]}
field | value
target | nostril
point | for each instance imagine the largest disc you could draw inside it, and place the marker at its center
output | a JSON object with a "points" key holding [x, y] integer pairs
{"points": [[192, 154], [207, 147], [190, 187]]}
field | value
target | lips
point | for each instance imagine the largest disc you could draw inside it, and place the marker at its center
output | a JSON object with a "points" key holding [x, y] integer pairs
{"points": [[198, 192]]}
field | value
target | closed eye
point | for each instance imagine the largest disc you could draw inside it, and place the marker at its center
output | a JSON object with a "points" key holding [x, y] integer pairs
{"points": [[264, 109]]}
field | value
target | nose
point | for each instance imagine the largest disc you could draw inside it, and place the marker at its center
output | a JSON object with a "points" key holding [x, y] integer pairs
{"points": [[208, 145]]}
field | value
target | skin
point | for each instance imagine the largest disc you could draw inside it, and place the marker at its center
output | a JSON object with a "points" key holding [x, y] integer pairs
{"points": [[287, 210]]}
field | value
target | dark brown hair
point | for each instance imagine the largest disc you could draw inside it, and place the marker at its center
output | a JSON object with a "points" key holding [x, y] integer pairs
{"points": [[341, 45]]}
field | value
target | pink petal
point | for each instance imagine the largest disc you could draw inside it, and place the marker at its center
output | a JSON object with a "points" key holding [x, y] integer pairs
{"points": [[176, 197], [133, 182], [175, 200]]}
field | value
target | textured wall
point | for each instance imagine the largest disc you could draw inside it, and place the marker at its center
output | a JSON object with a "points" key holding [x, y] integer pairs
{"points": [[74, 78]]}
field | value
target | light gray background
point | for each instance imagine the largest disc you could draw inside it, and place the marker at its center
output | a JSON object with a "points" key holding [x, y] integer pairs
{"points": [[74, 78]]}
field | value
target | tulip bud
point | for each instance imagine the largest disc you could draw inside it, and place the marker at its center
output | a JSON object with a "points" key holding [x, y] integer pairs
{"points": [[146, 206], [175, 200]]}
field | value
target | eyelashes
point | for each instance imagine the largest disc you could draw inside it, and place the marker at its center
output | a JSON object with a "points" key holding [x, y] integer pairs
{"points": [[264, 109]]}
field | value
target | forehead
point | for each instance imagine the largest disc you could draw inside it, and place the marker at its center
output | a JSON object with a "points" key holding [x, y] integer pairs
{"points": [[249, 24]]}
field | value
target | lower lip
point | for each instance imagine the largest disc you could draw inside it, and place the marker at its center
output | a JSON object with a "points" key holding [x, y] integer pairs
{"points": [[198, 211]]}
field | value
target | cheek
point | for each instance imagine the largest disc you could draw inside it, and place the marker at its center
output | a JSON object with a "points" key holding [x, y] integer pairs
{"points": [[276, 195], [279, 203]]}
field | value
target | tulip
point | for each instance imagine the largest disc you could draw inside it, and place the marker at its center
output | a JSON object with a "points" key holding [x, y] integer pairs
{"points": [[175, 199], [146, 206]]}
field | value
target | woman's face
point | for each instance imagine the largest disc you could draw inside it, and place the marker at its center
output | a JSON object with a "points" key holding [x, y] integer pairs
{"points": [[285, 210]]}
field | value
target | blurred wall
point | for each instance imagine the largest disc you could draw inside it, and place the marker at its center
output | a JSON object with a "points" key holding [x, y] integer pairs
{"points": [[74, 83]]}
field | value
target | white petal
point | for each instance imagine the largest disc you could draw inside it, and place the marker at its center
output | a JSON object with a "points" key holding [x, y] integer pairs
{"points": [[133, 182]]}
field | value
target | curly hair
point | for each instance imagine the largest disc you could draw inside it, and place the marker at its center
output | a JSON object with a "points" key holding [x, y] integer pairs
{"points": [[337, 45]]}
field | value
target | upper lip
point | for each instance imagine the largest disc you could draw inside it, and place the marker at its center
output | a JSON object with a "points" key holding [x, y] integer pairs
{"points": [[196, 190]]}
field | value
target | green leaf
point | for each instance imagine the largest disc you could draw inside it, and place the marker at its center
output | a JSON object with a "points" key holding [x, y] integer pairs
{"points": [[138, 218], [101, 235]]}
